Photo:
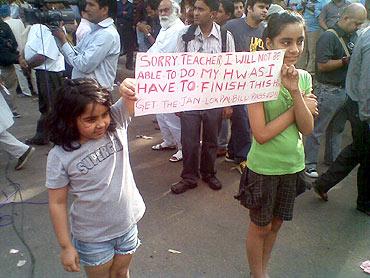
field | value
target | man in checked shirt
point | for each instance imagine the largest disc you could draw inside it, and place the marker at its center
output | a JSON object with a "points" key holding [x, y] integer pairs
{"points": [[207, 39]]}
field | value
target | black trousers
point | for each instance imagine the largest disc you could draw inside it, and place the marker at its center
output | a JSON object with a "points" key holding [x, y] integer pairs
{"points": [[48, 83], [191, 124], [358, 152], [128, 41], [240, 140]]}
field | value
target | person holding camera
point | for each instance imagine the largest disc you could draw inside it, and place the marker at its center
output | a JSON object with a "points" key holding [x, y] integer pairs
{"points": [[96, 55], [42, 54]]}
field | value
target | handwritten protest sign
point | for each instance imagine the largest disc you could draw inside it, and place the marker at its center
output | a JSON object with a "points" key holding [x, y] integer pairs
{"points": [[175, 82]]}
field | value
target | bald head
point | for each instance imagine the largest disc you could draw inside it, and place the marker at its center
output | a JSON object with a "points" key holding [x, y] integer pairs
{"points": [[353, 16], [355, 10]]}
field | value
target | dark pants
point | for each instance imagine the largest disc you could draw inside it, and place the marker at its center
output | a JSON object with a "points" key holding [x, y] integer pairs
{"points": [[128, 41], [47, 83], [191, 123], [240, 140], [356, 153]]}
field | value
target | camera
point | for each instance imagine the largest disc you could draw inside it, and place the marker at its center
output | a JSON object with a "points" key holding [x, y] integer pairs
{"points": [[41, 13]]}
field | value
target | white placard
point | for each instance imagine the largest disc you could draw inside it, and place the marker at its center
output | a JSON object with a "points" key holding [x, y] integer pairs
{"points": [[174, 82]]}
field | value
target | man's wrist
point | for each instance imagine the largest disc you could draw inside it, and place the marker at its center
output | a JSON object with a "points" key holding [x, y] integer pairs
{"points": [[345, 61]]}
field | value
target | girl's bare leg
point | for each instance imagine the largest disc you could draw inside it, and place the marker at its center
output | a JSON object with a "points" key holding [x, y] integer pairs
{"points": [[255, 242]]}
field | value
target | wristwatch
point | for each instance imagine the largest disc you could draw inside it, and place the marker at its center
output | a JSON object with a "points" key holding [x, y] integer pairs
{"points": [[148, 35]]}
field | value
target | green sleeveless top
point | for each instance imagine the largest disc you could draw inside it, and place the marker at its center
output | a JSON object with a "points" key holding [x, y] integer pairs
{"points": [[283, 154]]}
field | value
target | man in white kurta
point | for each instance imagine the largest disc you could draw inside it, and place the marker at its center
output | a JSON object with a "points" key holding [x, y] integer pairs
{"points": [[165, 42]]}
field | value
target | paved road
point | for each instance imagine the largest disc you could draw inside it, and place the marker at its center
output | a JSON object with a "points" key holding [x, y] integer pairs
{"points": [[208, 228]]}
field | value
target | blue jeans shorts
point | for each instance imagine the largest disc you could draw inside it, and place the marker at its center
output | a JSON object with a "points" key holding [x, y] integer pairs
{"points": [[98, 253]]}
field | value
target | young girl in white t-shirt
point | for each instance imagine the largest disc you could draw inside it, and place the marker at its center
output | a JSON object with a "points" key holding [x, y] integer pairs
{"points": [[90, 161]]}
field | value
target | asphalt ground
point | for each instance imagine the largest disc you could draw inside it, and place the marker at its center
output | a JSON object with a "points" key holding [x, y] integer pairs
{"points": [[207, 228]]}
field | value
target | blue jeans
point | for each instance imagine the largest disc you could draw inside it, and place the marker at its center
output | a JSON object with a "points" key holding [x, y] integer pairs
{"points": [[240, 140], [223, 134], [329, 122], [98, 253]]}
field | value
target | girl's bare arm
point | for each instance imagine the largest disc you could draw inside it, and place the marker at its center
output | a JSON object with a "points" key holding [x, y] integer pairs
{"points": [[58, 200], [262, 131]]}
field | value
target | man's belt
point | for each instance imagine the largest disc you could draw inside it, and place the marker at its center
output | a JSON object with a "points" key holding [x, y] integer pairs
{"points": [[340, 84]]}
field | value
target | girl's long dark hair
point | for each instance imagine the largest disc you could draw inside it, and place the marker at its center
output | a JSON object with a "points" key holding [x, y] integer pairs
{"points": [[70, 102]]}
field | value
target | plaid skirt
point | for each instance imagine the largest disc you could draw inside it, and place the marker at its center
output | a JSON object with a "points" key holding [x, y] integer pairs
{"points": [[268, 196]]}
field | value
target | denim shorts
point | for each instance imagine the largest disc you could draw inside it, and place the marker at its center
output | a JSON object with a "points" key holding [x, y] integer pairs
{"points": [[98, 253]]}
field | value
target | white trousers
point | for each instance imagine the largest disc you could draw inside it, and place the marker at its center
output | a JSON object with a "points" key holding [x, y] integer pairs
{"points": [[170, 126], [22, 80], [12, 145]]}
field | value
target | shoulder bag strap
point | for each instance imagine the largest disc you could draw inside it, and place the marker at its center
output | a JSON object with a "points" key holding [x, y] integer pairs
{"points": [[341, 41]]}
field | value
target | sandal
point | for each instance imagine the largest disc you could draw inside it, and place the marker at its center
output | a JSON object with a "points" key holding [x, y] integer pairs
{"points": [[162, 147], [177, 156]]}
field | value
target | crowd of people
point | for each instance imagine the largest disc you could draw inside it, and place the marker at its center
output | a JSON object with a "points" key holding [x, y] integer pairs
{"points": [[325, 82]]}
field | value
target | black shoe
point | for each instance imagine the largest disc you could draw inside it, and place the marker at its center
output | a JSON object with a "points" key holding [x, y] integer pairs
{"points": [[16, 115], [213, 182], [182, 186], [366, 211], [24, 158], [36, 141], [323, 195]]}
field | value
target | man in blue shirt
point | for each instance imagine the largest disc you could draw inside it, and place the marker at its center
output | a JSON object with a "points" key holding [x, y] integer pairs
{"points": [[310, 10], [96, 55]]}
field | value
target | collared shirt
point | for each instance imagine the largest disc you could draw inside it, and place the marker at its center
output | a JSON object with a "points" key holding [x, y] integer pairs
{"points": [[210, 44], [83, 29], [358, 77], [328, 47], [167, 38], [332, 11], [41, 41], [96, 56]]}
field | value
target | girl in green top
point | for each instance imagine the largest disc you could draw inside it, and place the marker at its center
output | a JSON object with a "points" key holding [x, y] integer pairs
{"points": [[277, 156]]}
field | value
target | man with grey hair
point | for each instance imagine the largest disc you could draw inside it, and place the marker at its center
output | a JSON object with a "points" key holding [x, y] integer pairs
{"points": [[333, 52], [169, 17]]}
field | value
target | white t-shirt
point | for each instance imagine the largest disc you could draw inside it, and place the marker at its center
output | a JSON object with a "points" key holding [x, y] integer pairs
{"points": [[106, 202], [41, 41]]}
